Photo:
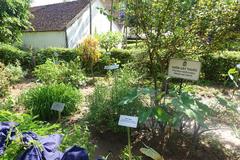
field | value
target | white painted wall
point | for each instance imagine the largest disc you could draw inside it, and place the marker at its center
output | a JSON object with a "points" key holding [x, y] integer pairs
{"points": [[80, 29], [44, 39], [76, 32], [101, 23]]}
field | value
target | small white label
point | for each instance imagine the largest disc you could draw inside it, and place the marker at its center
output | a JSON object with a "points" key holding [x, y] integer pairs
{"points": [[184, 69], [112, 67], [128, 121], [56, 106]]}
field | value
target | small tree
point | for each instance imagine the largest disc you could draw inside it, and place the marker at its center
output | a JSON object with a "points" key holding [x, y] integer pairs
{"points": [[180, 28], [110, 40], [14, 19], [89, 51]]}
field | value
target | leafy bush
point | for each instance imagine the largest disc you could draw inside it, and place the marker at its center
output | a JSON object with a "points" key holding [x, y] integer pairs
{"points": [[214, 66], [105, 106], [74, 75], [40, 99], [122, 55], [69, 73], [10, 54], [50, 72], [90, 53], [7, 103], [62, 54], [4, 80], [110, 40], [15, 72]]}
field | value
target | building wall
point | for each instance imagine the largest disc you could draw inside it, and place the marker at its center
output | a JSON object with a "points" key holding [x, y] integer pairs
{"points": [[101, 23], [44, 39], [80, 29], [76, 32]]}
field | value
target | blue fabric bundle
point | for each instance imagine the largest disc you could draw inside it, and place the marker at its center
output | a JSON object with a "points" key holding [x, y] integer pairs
{"points": [[49, 151], [7, 133], [44, 148], [75, 153]]}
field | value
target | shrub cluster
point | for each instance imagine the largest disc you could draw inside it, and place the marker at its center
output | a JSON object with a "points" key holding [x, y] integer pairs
{"points": [[110, 40], [9, 74], [10, 54], [40, 99], [15, 72], [57, 72], [215, 66], [105, 106], [62, 54], [4, 81]]}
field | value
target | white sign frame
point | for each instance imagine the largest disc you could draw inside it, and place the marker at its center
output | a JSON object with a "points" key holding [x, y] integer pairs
{"points": [[184, 69], [128, 121], [57, 106], [111, 67]]}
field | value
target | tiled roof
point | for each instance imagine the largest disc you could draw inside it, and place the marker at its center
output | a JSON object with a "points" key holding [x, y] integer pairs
{"points": [[55, 17]]}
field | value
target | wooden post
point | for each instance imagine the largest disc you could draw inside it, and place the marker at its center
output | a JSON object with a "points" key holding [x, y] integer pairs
{"points": [[111, 21], [129, 144], [90, 14]]}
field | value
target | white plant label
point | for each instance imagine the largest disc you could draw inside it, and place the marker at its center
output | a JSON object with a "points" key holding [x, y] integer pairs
{"points": [[56, 106], [112, 67], [184, 69], [128, 121]]}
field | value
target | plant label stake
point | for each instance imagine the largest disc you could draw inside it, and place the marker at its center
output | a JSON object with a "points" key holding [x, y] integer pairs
{"points": [[112, 67], [59, 107], [129, 122]]}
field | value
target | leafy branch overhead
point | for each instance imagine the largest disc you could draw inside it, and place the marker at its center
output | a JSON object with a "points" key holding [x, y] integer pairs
{"points": [[14, 19]]}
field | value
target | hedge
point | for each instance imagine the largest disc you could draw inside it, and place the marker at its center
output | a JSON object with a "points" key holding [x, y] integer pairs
{"points": [[10, 54], [64, 54], [214, 66]]}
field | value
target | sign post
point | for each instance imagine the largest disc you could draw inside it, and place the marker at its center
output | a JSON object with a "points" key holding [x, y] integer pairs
{"points": [[129, 122], [112, 67], [59, 107], [184, 69]]}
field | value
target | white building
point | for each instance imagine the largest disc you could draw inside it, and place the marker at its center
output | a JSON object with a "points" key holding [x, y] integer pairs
{"points": [[65, 24]]}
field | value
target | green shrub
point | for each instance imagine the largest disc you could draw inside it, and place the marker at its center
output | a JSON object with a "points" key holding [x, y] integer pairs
{"points": [[109, 40], [105, 106], [15, 72], [122, 55], [50, 72], [10, 54], [119, 56], [40, 99], [69, 73], [61, 54], [215, 66], [7, 103], [90, 53], [4, 80], [74, 75]]}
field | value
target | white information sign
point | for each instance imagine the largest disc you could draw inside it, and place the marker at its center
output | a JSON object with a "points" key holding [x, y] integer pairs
{"points": [[128, 121], [56, 106], [184, 69], [112, 67]]}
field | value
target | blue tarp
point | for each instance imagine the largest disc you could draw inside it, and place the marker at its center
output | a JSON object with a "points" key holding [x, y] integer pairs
{"points": [[7, 132], [40, 148]]}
